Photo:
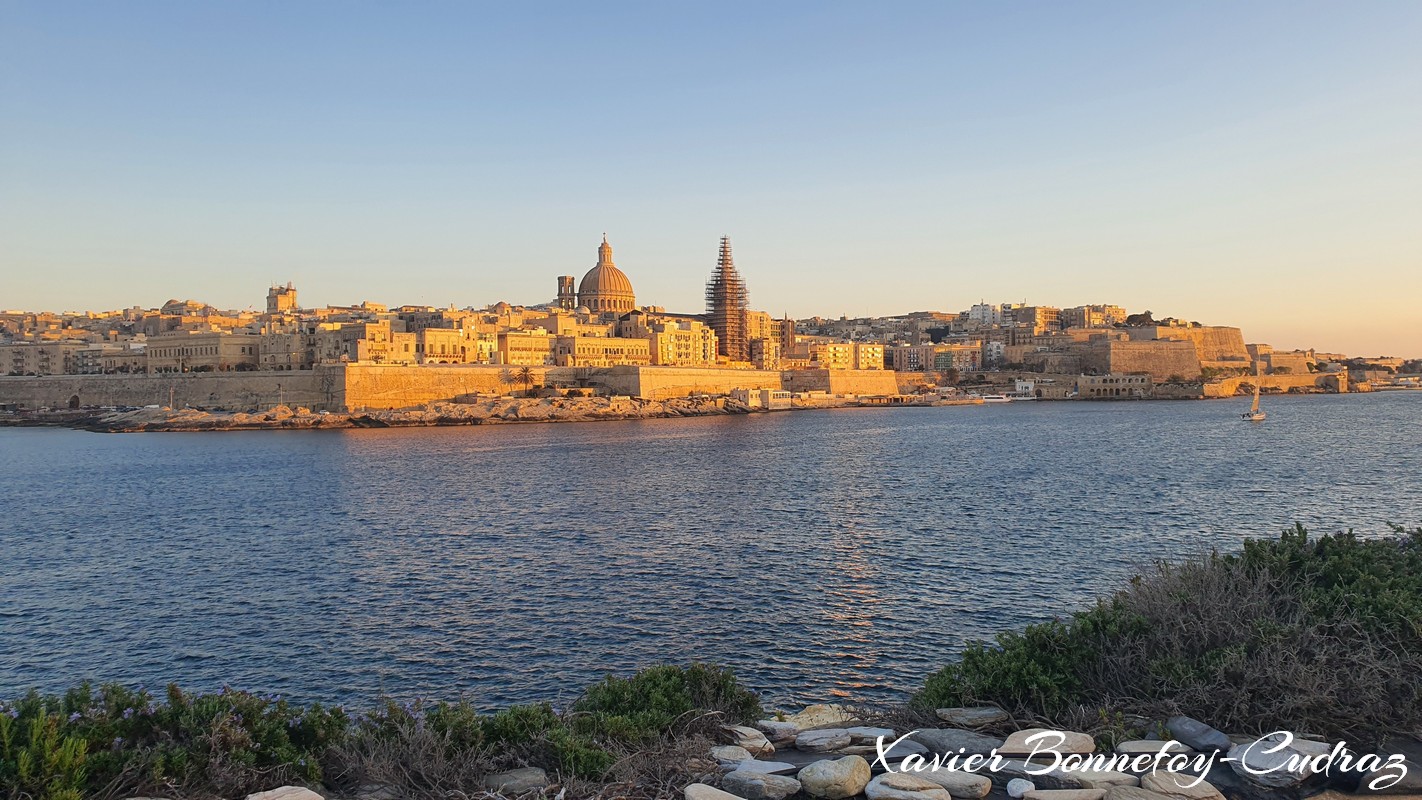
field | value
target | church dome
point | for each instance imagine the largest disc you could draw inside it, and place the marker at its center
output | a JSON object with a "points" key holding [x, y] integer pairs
{"points": [[605, 287]]}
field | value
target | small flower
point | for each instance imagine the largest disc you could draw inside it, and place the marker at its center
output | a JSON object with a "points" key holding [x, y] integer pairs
{"points": [[75, 717], [128, 713]]}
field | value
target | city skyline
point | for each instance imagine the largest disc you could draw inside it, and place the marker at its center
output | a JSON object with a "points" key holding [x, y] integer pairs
{"points": [[1261, 173]]}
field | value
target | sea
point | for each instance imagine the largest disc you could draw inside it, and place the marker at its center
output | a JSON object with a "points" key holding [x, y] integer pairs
{"points": [[832, 556]]}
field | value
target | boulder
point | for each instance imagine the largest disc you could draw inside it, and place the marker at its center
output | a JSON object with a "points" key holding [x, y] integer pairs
{"points": [[1010, 768], [286, 792], [1411, 782], [837, 778], [822, 716], [1019, 787], [1042, 740], [1132, 793], [904, 786], [749, 738], [728, 754], [1098, 779], [1177, 786], [949, 741], [959, 783], [517, 781], [974, 717], [1197, 735], [759, 785], [863, 735], [825, 740], [1065, 794], [1252, 763], [768, 767], [778, 732], [700, 791]]}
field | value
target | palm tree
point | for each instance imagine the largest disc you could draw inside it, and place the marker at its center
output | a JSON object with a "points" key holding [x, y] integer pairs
{"points": [[525, 376]]}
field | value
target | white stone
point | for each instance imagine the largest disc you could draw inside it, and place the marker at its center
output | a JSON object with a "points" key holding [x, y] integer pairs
{"points": [[863, 735], [959, 783], [833, 779], [822, 716], [760, 785], [1151, 747], [1065, 794], [1252, 763], [826, 740], [1176, 785], [700, 791], [904, 786], [1047, 740], [286, 793], [749, 738], [974, 717], [1017, 787], [768, 767], [728, 754], [517, 781], [777, 731]]}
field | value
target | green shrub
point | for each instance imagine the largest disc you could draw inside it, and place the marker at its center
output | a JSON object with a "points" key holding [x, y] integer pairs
{"points": [[652, 701]]}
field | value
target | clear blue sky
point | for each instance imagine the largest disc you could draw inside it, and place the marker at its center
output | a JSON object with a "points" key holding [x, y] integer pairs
{"points": [[1256, 163]]}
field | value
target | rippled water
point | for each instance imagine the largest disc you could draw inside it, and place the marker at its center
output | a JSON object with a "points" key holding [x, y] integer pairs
{"points": [[822, 554]]}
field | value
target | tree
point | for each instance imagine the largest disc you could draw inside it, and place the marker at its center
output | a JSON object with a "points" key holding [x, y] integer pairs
{"points": [[948, 377], [1141, 320], [525, 376], [506, 377]]}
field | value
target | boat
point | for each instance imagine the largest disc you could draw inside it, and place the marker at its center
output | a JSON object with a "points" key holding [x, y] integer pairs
{"points": [[1254, 414], [996, 398]]}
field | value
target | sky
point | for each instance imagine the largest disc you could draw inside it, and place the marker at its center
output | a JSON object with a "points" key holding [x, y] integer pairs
{"points": [[1256, 164]]}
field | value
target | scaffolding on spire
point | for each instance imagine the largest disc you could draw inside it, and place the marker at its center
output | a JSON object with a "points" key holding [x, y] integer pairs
{"points": [[726, 305]]}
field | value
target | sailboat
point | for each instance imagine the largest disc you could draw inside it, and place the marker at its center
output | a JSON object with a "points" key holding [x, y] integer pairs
{"points": [[1254, 414]]}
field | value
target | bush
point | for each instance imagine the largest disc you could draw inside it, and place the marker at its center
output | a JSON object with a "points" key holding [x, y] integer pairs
{"points": [[1323, 635], [651, 702]]}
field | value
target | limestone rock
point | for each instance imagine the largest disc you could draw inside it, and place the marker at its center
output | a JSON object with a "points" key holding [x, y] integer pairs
{"points": [[759, 785], [1177, 786], [822, 716], [949, 741], [1098, 779], [517, 781], [729, 754], [1132, 793], [749, 738], [1197, 735], [1065, 794], [959, 783], [904, 786], [826, 740], [1019, 787], [286, 792], [1042, 740], [1252, 763], [700, 791], [974, 717], [768, 767], [1013, 768], [778, 732], [837, 778], [863, 735]]}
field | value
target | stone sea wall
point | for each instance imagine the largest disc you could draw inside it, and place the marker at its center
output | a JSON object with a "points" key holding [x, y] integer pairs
{"points": [[320, 388]]}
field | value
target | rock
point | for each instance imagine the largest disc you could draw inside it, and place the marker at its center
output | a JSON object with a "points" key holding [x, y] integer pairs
{"points": [[768, 767], [1010, 768], [1043, 740], [1151, 747], [377, 791], [822, 716], [863, 735], [728, 754], [700, 791], [904, 786], [759, 785], [837, 778], [1098, 779], [778, 732], [1176, 785], [1132, 793], [948, 741], [1065, 794], [974, 717], [1197, 735], [959, 783], [826, 740], [749, 738], [517, 781], [1019, 787], [1411, 782], [1252, 763], [286, 792]]}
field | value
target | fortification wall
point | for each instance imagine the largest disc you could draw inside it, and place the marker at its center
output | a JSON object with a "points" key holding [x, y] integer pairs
{"points": [[1212, 342], [1161, 359], [1229, 387], [842, 381], [318, 389], [379, 386], [661, 383]]}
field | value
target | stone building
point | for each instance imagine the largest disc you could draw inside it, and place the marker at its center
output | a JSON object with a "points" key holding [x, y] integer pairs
{"points": [[203, 351], [605, 289], [281, 299]]}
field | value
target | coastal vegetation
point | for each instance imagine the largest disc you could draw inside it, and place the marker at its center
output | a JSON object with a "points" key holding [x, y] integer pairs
{"points": [[1315, 634], [1319, 634]]}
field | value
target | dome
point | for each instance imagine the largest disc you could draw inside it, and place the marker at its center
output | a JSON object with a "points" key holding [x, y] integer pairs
{"points": [[605, 288]]}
